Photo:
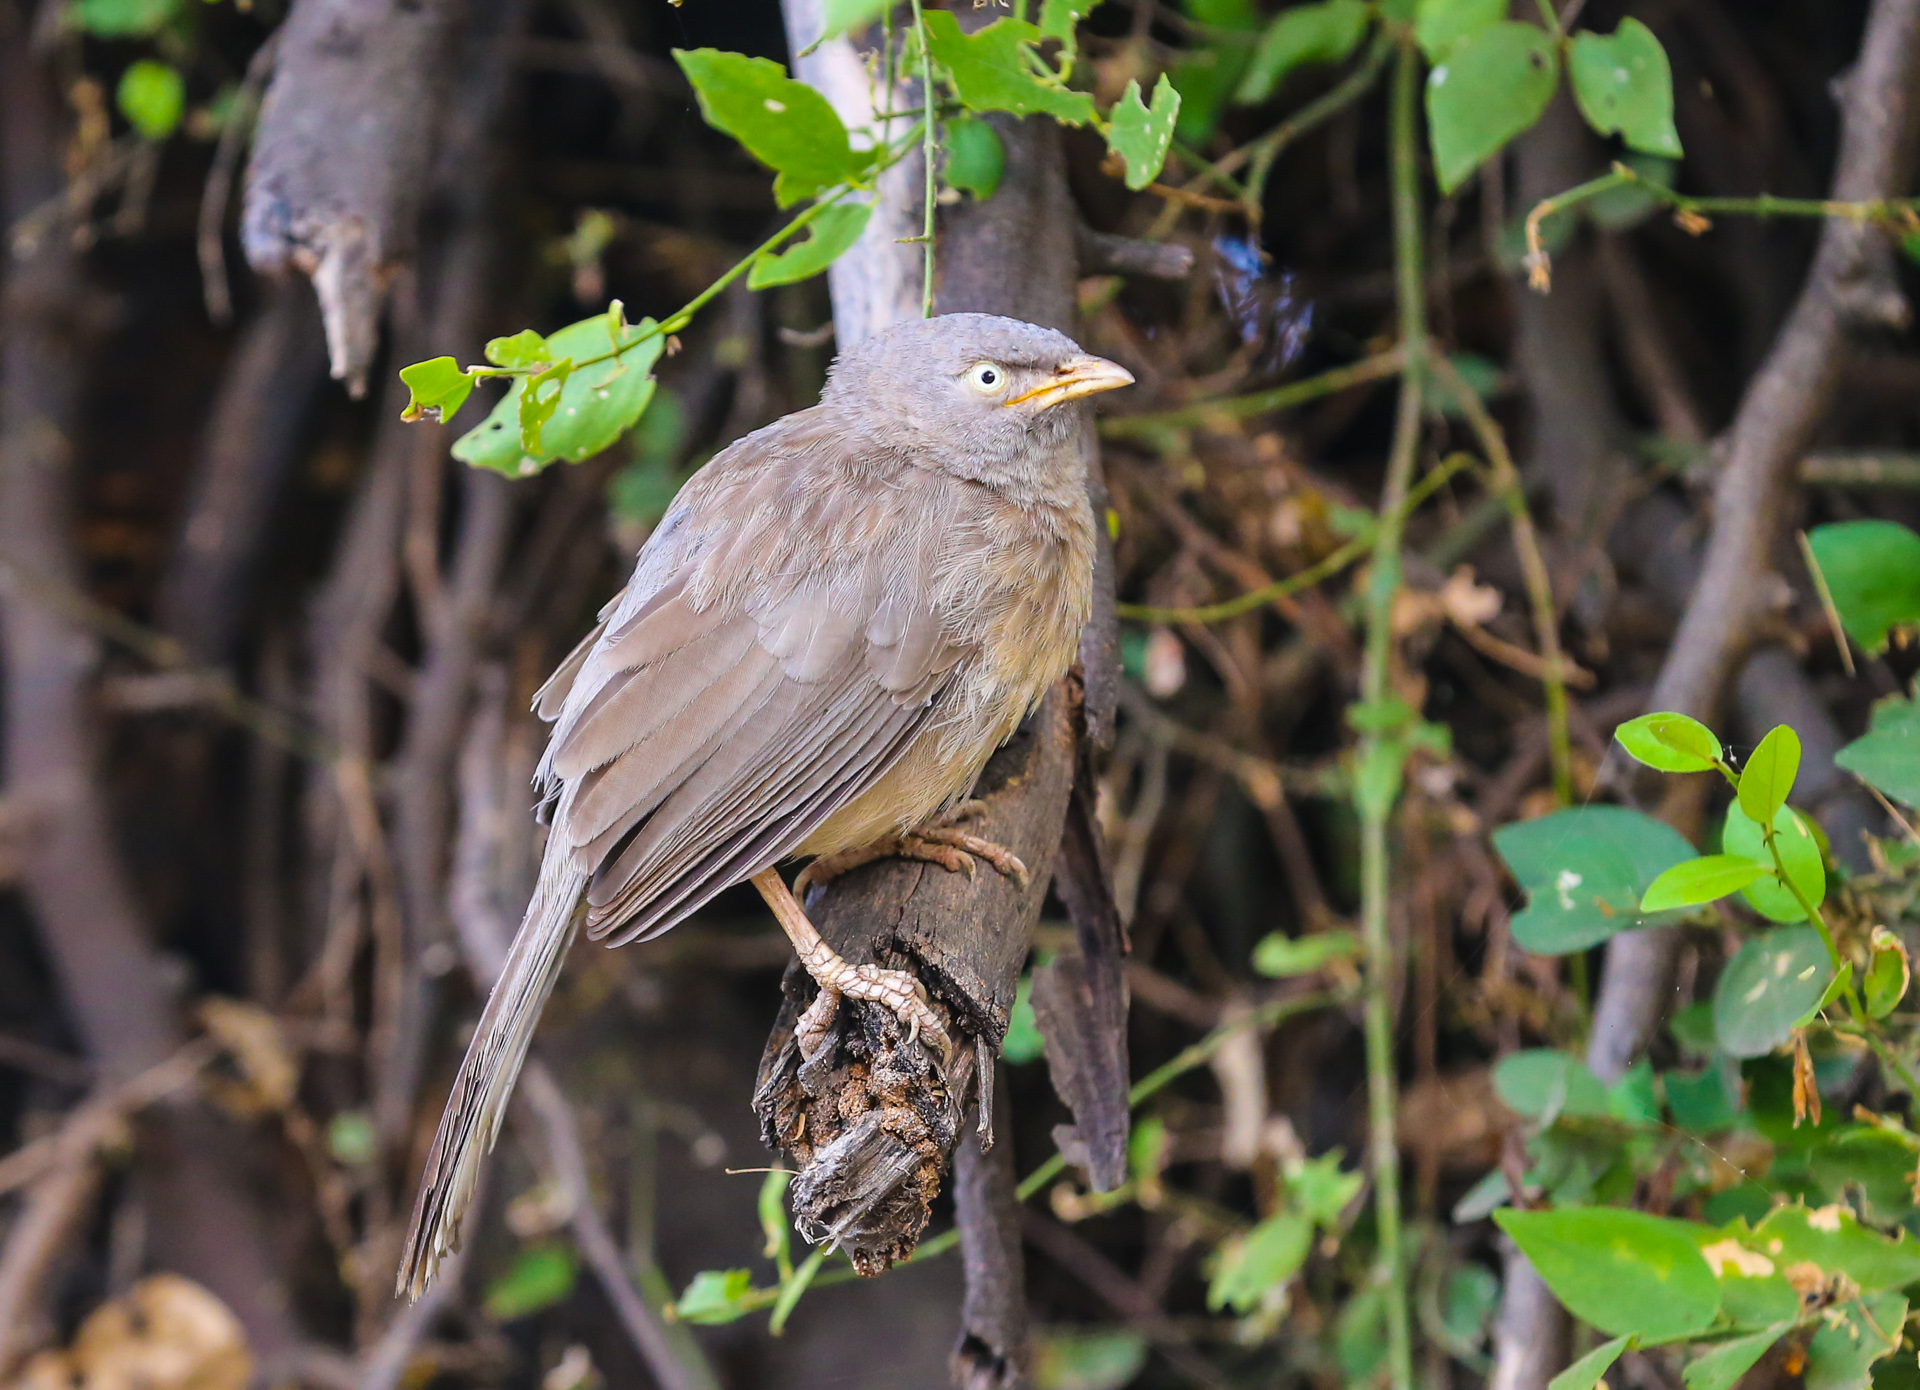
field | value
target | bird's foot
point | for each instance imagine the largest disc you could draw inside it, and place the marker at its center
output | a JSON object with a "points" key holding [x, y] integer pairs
{"points": [[942, 842], [898, 991]]}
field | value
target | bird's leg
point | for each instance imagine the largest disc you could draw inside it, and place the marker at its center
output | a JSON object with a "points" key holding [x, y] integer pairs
{"points": [[896, 989], [939, 842]]}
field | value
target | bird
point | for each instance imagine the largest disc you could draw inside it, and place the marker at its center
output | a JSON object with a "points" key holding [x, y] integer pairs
{"points": [[838, 620]]}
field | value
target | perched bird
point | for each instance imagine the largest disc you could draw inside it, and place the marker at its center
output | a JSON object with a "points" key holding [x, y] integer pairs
{"points": [[838, 621]]}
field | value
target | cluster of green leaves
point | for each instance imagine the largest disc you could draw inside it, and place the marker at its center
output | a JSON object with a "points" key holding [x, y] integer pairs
{"points": [[550, 413], [151, 92], [1240, 61]]}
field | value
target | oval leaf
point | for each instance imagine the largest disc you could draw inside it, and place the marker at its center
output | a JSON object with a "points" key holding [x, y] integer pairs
{"points": [[1701, 880], [1768, 776], [1491, 87], [1270, 1254], [1584, 871], [1305, 34], [1767, 988], [1799, 851], [1543, 1085], [152, 97], [1670, 742], [1440, 24], [1623, 84], [1622, 1271], [1887, 756], [784, 124], [975, 157], [1872, 569]]}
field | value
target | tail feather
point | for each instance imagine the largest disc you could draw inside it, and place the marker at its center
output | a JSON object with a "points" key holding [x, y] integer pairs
{"points": [[474, 1111]]}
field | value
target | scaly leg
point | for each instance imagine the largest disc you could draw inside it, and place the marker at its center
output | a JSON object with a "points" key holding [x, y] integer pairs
{"points": [[896, 989], [940, 842]]}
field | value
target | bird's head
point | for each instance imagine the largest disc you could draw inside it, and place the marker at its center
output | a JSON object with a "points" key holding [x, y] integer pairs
{"points": [[977, 395]]}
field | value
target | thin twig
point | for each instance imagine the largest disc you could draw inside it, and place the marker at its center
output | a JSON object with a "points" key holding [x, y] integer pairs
{"points": [[209, 242], [1294, 393]]}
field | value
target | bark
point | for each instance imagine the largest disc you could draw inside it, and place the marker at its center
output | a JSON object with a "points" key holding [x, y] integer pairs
{"points": [[112, 979], [342, 154]]}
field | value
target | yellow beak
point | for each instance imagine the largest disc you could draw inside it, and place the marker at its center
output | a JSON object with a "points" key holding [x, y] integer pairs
{"points": [[1074, 378]]}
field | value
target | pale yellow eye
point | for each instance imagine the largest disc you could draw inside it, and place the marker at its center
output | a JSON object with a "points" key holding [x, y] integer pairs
{"points": [[988, 378]]}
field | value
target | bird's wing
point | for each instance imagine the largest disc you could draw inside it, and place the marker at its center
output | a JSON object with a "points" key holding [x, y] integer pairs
{"points": [[768, 664]]}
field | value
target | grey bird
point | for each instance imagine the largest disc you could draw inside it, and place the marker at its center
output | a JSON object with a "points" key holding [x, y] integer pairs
{"points": [[838, 621]]}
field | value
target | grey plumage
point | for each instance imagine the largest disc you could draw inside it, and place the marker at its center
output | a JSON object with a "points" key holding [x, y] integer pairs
{"points": [[839, 619]]}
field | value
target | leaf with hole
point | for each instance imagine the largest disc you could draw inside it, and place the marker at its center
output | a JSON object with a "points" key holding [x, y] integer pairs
{"points": [[1832, 1239], [1872, 569], [1669, 742], [1543, 1085], [1141, 134], [1440, 24], [1492, 86], [1799, 851], [975, 157], [828, 237], [1767, 988], [1265, 1257], [1326, 32], [1720, 1367], [1698, 881], [1767, 779], [1585, 1373], [1623, 1271], [784, 124], [436, 389], [597, 403], [991, 70], [1623, 85], [1844, 1347], [1887, 756], [1584, 871]]}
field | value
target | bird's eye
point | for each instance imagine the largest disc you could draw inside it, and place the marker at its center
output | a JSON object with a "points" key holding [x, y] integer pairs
{"points": [[986, 377]]}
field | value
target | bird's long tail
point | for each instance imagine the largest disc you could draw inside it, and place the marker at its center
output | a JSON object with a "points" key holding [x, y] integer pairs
{"points": [[472, 1118]]}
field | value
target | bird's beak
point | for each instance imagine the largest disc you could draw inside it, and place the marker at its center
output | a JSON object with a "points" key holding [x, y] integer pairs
{"points": [[1074, 378]]}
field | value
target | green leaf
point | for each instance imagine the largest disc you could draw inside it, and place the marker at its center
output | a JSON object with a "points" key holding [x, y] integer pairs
{"points": [[1266, 1257], [990, 70], [1069, 1359], [1669, 742], [1702, 880], [1872, 569], [641, 492], [1439, 24], [843, 16], [352, 1139], [124, 19], [829, 235], [1321, 1188], [1467, 1303], [1623, 84], [1492, 87], [1059, 18], [437, 388], [714, 1296], [1543, 1085], [1632, 1098], [1833, 1239], [1319, 33], [1888, 973], [1844, 1346], [1585, 1373], [1283, 957], [539, 398], [1623, 1271], [597, 403], [152, 97], [1721, 1367], [540, 1276], [1871, 1162], [975, 157], [1141, 135], [1799, 851], [1584, 871], [1768, 776], [524, 349], [1767, 989], [1701, 1104], [1206, 78], [784, 124], [1887, 756], [1023, 1042], [772, 1206]]}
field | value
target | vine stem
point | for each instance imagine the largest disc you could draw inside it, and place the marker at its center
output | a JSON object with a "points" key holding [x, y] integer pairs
{"points": [[1533, 570], [929, 147], [1327, 383], [1376, 744]]}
